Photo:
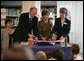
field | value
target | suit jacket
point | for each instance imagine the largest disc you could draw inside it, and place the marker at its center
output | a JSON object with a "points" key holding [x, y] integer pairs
{"points": [[44, 29], [25, 27], [59, 30]]}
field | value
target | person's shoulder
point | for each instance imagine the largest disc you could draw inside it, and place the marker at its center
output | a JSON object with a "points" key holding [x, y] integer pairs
{"points": [[68, 21], [50, 22], [3, 29], [40, 21], [23, 14], [35, 17], [57, 19], [78, 57]]}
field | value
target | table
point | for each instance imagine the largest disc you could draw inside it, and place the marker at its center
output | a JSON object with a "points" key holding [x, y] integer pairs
{"points": [[48, 41], [31, 42], [66, 50]]}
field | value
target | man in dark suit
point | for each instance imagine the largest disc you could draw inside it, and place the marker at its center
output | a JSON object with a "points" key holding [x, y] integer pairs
{"points": [[27, 25], [62, 25]]}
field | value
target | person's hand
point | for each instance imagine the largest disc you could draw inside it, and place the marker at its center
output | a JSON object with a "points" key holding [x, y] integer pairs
{"points": [[30, 39], [66, 38], [30, 35], [61, 37], [54, 36], [36, 38], [49, 39]]}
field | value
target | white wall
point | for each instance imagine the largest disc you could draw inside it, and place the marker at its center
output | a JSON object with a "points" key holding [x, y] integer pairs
{"points": [[76, 12], [26, 5], [78, 24], [38, 5]]}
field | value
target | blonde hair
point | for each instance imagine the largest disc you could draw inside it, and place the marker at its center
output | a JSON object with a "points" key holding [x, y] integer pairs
{"points": [[40, 56]]}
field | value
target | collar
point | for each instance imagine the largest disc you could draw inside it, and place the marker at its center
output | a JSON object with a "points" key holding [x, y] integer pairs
{"points": [[30, 16]]}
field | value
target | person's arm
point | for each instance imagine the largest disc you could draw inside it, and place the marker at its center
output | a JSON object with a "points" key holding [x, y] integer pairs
{"points": [[39, 30], [4, 35], [54, 29], [35, 29], [20, 31], [51, 26], [4, 40], [1, 34], [22, 21]]}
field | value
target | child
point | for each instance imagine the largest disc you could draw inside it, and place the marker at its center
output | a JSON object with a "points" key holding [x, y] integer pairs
{"points": [[40, 56], [58, 54], [6, 36], [18, 52], [75, 49]]}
